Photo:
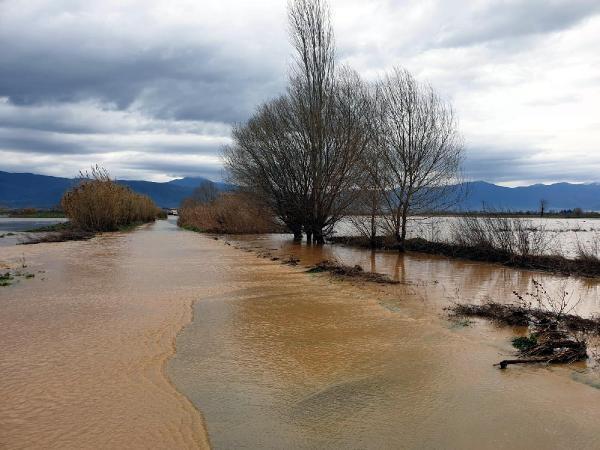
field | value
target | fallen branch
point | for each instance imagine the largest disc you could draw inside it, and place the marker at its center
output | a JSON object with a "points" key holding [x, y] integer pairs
{"points": [[553, 340]]}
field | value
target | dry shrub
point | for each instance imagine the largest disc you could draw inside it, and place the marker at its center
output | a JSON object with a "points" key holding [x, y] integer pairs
{"points": [[231, 212], [511, 236], [589, 251], [98, 203]]}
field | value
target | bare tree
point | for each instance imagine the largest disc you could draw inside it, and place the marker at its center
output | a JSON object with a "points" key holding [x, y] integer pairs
{"points": [[543, 206], [301, 152], [267, 159], [421, 146], [330, 107], [370, 203], [206, 192]]}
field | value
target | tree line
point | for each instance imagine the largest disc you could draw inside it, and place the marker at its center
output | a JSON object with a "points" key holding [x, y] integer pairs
{"points": [[334, 144]]}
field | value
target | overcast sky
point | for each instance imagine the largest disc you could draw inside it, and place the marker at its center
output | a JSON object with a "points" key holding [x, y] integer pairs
{"points": [[149, 89]]}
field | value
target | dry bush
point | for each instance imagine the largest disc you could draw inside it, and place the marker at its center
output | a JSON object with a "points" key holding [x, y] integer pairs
{"points": [[98, 203], [589, 251], [232, 213], [509, 235]]}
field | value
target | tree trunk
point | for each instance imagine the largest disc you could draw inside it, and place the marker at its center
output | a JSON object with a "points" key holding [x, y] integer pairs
{"points": [[373, 239], [309, 236], [404, 219], [319, 239], [297, 235]]}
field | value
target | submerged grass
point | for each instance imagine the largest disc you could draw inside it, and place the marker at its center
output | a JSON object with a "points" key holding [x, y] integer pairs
{"points": [[51, 228], [6, 279], [557, 338], [344, 271], [33, 213]]}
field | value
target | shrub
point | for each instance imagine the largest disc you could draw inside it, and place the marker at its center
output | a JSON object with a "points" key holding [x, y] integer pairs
{"points": [[231, 212], [512, 236], [98, 203]]}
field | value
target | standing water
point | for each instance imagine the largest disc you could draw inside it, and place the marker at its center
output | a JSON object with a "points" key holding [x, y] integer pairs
{"points": [[273, 357]]}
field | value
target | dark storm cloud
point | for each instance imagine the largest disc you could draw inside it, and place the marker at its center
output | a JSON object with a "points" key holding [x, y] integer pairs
{"points": [[25, 141], [527, 165], [177, 170], [72, 52], [513, 19], [151, 88], [190, 84]]}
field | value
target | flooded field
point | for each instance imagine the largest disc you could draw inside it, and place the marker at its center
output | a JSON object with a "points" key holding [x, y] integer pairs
{"points": [[561, 236], [13, 230], [23, 224], [268, 356], [303, 361]]}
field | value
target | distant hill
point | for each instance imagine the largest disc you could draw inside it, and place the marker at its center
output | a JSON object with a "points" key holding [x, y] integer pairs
{"points": [[559, 196], [22, 190]]}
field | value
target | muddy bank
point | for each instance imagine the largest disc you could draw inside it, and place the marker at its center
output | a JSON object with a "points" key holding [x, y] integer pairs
{"points": [[84, 343]]}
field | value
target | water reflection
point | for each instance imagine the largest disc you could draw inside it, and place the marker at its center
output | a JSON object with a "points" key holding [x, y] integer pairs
{"points": [[439, 278], [290, 360]]}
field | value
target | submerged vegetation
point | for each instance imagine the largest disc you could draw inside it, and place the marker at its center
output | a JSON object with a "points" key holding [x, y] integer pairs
{"points": [[8, 278], [33, 213], [556, 335], [510, 241], [344, 271]]}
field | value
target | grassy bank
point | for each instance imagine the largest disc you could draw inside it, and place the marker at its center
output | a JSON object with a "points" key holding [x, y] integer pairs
{"points": [[589, 267]]}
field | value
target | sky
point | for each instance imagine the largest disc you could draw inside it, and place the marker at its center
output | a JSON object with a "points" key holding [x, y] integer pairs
{"points": [[150, 89]]}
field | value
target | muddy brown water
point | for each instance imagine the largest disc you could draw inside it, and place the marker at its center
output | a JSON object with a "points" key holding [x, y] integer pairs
{"points": [[267, 356]]}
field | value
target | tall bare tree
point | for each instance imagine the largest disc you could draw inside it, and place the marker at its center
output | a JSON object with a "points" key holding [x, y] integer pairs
{"points": [[301, 152], [421, 146], [543, 206], [372, 181], [330, 106]]}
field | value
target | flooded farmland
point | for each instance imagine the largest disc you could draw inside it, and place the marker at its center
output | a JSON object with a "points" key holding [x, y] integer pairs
{"points": [[167, 338]]}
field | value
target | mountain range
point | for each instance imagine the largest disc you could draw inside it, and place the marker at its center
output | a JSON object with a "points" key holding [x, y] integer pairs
{"points": [[21, 190], [558, 196]]}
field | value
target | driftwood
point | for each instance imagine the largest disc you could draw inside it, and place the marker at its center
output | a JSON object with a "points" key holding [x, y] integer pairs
{"points": [[553, 339], [504, 363]]}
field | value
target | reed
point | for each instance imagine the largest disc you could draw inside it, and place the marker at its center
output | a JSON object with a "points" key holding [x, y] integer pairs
{"points": [[98, 203], [230, 213]]}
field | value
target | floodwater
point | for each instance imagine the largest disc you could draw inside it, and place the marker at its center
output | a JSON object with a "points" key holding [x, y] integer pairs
{"points": [[294, 360], [84, 342], [562, 236], [267, 356], [22, 224], [13, 229]]}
